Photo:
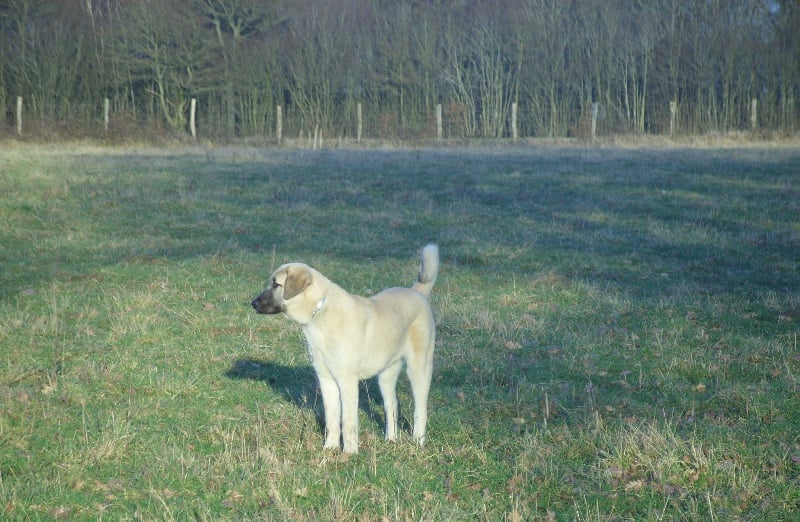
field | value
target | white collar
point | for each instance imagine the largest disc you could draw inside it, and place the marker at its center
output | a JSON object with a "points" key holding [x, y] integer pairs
{"points": [[319, 306]]}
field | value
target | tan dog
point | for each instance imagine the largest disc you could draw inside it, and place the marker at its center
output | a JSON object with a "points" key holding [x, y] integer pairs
{"points": [[351, 338]]}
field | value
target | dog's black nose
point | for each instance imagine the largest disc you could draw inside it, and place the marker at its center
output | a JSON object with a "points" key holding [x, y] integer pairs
{"points": [[254, 303]]}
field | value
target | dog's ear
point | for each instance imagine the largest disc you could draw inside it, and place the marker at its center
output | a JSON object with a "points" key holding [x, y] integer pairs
{"points": [[297, 280]]}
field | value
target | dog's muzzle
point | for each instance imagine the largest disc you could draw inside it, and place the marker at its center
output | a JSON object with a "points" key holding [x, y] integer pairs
{"points": [[266, 306]]}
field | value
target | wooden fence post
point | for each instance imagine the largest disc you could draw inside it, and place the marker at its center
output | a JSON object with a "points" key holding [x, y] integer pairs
{"points": [[439, 121], [360, 123], [753, 114], [279, 123], [19, 116], [673, 113], [192, 120], [514, 133], [106, 110], [595, 111]]}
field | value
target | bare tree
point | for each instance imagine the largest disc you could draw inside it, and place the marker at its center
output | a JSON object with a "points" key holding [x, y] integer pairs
{"points": [[544, 29], [782, 78], [236, 25], [317, 63], [164, 49], [42, 58]]}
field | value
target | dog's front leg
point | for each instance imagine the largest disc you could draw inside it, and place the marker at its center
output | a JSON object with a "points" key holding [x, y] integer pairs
{"points": [[349, 390], [333, 410]]}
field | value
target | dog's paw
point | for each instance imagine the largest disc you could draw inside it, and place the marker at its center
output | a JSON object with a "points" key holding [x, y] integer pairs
{"points": [[351, 448]]}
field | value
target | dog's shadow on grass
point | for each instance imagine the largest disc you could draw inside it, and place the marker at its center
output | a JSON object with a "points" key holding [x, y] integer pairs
{"points": [[298, 385]]}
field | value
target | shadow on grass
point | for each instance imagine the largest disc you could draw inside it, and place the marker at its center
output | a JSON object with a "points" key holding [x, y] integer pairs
{"points": [[298, 385]]}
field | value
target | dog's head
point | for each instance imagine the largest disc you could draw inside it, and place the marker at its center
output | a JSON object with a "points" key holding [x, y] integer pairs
{"points": [[286, 289]]}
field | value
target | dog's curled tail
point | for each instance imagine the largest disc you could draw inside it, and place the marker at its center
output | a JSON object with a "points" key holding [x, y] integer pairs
{"points": [[428, 269]]}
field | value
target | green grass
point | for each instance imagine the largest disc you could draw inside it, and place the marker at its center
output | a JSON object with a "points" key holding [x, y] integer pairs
{"points": [[617, 333]]}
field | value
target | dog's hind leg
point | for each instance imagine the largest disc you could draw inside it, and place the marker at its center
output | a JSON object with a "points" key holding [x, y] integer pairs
{"points": [[420, 371], [387, 381]]}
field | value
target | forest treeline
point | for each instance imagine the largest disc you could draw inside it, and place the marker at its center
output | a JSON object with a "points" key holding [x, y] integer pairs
{"points": [[320, 60]]}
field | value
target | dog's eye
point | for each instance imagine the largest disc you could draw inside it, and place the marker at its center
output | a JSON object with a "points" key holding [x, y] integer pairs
{"points": [[275, 285]]}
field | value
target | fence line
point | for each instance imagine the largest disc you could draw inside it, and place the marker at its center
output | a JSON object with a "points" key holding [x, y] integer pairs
{"points": [[444, 119]]}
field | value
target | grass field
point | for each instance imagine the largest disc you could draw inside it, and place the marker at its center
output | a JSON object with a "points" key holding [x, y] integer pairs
{"points": [[617, 333]]}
